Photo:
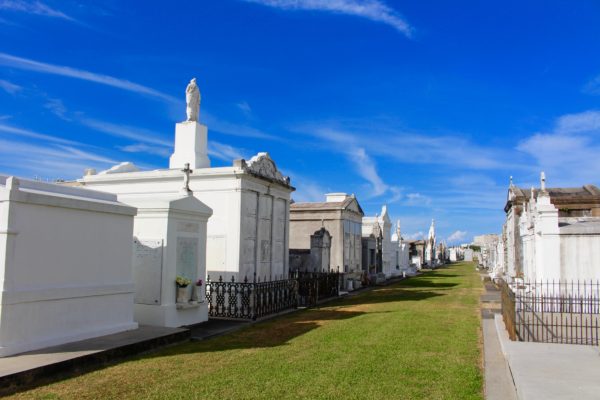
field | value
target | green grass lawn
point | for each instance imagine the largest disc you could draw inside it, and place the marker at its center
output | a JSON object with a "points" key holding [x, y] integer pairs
{"points": [[417, 339]]}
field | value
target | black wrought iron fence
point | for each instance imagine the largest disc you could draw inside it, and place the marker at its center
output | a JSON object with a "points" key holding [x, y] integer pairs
{"points": [[552, 312], [230, 299], [272, 297], [256, 299], [314, 286], [249, 299]]}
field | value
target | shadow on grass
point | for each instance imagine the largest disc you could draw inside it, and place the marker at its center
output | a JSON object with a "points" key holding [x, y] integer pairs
{"points": [[388, 294], [426, 284], [431, 276], [281, 330], [272, 333]]}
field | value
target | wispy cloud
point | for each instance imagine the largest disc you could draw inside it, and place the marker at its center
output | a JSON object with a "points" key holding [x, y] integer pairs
{"points": [[367, 169], [354, 149], [150, 143], [48, 160], [456, 237], [245, 108], [233, 129], [593, 86], [57, 107], [72, 152], [373, 10], [33, 7], [125, 131], [569, 152], [417, 199], [61, 70], [415, 236], [12, 130], [307, 189], [145, 148], [397, 194], [412, 147], [224, 152], [9, 87], [586, 121]]}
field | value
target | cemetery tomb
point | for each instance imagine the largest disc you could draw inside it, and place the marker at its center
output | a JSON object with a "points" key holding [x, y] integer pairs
{"points": [[65, 265]]}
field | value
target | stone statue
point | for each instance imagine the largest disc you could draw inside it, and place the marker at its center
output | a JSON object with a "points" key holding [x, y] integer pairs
{"points": [[192, 98], [543, 181]]}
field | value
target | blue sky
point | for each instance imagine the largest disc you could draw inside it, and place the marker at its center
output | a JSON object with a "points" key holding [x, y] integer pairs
{"points": [[426, 106]]}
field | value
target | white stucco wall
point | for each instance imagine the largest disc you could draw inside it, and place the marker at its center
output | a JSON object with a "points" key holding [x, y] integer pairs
{"points": [[65, 265], [580, 257], [249, 229]]}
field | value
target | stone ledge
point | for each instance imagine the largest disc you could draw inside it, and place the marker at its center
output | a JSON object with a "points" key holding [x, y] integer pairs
{"points": [[185, 306]]}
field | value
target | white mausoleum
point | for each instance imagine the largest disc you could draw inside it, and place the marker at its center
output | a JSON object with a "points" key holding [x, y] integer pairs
{"points": [[551, 234], [385, 225], [248, 231], [65, 265], [399, 256]]}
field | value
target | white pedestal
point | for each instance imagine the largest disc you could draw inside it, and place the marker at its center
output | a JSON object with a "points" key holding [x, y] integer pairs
{"points": [[170, 241], [190, 146]]}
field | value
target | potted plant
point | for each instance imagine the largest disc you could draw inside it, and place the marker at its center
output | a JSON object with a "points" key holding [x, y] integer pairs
{"points": [[195, 290], [182, 284]]}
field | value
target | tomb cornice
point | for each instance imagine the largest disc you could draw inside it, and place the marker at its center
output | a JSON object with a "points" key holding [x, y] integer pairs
{"points": [[65, 201]]}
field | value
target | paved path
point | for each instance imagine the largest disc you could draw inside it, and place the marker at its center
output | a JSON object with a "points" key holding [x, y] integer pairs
{"points": [[551, 371], [498, 380]]}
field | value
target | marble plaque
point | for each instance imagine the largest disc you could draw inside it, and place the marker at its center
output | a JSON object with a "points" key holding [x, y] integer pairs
{"points": [[265, 251], [147, 270], [190, 227], [187, 257]]}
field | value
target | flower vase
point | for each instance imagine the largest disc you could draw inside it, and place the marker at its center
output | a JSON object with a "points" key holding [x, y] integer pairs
{"points": [[182, 294], [194, 298]]}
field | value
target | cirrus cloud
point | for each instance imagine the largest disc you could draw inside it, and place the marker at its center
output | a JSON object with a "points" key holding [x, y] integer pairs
{"points": [[373, 10]]}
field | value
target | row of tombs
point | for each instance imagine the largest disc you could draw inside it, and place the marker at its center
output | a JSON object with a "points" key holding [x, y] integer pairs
{"points": [[69, 271]]}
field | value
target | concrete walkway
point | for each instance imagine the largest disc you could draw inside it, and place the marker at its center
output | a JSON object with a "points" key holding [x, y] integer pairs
{"points": [[498, 380], [551, 371]]}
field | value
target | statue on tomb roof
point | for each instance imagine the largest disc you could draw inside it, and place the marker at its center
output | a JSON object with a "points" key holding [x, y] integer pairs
{"points": [[192, 99], [432, 230]]}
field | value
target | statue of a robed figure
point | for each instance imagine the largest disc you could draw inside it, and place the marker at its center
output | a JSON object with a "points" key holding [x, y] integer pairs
{"points": [[192, 99]]}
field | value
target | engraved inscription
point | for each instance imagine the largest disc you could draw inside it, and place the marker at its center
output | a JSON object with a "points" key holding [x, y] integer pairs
{"points": [[190, 227], [147, 270]]}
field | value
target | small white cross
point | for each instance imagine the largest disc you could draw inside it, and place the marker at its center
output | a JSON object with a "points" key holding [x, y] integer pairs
{"points": [[187, 171]]}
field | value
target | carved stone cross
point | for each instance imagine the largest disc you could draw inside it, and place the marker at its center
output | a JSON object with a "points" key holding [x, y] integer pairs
{"points": [[187, 171]]}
